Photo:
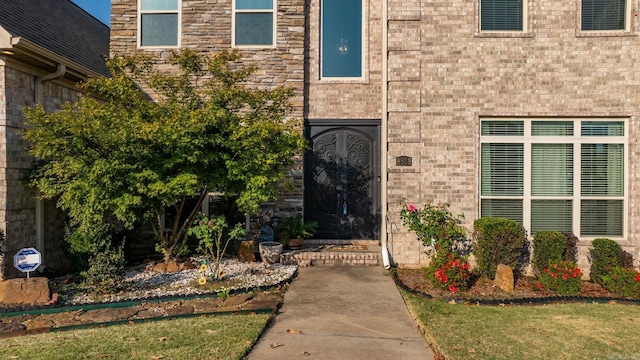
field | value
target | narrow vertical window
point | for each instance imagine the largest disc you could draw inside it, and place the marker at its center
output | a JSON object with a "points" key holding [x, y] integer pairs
{"points": [[501, 15], [341, 38], [159, 23], [603, 15], [254, 23]]}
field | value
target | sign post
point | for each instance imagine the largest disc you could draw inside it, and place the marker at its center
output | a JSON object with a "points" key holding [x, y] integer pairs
{"points": [[27, 260]]}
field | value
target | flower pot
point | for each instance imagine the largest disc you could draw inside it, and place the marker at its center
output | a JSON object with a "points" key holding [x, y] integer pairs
{"points": [[295, 244], [270, 252]]}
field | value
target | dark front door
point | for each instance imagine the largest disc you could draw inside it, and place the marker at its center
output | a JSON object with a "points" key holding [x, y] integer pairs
{"points": [[342, 181]]}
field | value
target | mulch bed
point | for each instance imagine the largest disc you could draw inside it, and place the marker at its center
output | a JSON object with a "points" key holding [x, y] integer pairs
{"points": [[482, 290]]}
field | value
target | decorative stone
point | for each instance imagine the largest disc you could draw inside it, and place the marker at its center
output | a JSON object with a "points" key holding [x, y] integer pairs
{"points": [[246, 253], [160, 267], [172, 267], [32, 291], [504, 278], [187, 265]]}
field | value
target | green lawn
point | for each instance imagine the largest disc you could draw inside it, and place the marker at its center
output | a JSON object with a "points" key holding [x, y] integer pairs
{"points": [[206, 337], [558, 331]]}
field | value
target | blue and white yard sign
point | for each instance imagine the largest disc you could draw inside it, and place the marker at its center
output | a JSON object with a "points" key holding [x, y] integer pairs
{"points": [[27, 260]]}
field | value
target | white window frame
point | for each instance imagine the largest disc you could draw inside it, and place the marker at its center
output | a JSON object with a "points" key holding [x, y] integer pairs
{"points": [[139, 26], [363, 51], [628, 15], [273, 11], [525, 21], [577, 140]]}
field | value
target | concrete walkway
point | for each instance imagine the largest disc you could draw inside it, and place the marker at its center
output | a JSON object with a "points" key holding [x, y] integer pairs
{"points": [[346, 312]]}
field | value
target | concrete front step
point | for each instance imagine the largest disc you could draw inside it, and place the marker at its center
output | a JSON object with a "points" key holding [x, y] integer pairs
{"points": [[335, 255]]}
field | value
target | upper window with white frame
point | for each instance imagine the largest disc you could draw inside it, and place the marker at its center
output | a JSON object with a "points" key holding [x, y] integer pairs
{"points": [[562, 175], [341, 39], [159, 23], [502, 15], [254, 23], [605, 15]]}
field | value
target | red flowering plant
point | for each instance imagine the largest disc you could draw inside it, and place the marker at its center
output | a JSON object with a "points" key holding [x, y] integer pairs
{"points": [[434, 225], [444, 235], [623, 281], [448, 271], [562, 277]]}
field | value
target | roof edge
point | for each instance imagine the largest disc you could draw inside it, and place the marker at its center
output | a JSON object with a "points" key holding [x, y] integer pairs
{"points": [[24, 44]]}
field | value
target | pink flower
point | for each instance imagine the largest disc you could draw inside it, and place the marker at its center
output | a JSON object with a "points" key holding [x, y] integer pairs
{"points": [[411, 207]]}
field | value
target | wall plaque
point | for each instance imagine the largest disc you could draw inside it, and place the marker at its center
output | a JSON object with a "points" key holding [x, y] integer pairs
{"points": [[404, 161]]}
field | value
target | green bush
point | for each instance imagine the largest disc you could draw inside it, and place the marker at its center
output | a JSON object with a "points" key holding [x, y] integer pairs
{"points": [[498, 241], [106, 267], [562, 277], [604, 255], [547, 246], [623, 281]]}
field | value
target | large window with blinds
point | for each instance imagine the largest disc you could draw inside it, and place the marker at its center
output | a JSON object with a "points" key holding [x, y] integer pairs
{"points": [[604, 15], [254, 23], [502, 15], [563, 175], [159, 23]]}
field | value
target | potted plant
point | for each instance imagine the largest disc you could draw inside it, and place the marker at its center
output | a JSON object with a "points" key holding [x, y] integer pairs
{"points": [[293, 230]]}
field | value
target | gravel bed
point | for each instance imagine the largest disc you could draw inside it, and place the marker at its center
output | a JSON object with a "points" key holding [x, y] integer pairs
{"points": [[140, 282]]}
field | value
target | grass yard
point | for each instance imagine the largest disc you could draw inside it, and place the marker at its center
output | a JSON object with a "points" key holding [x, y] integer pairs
{"points": [[558, 331], [207, 337]]}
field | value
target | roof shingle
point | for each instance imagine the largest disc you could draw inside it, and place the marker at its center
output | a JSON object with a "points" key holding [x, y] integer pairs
{"points": [[59, 26]]}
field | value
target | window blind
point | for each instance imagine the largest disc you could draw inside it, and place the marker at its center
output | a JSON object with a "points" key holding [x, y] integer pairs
{"points": [[603, 14], [602, 170], [601, 218], [551, 169], [501, 15], [555, 215], [502, 169]]}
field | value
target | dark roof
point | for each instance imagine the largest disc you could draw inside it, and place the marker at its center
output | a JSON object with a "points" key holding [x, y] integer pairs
{"points": [[59, 26]]}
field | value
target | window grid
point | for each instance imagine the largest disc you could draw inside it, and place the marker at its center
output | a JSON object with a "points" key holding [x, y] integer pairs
{"points": [[603, 204], [159, 11], [259, 16]]}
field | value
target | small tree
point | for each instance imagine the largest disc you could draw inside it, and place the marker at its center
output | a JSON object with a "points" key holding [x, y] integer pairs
{"points": [[128, 158]]}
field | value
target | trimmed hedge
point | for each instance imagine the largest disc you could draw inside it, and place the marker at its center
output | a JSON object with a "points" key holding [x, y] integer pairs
{"points": [[547, 246], [498, 241], [605, 255]]}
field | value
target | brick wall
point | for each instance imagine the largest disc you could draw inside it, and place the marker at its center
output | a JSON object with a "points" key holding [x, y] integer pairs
{"points": [[17, 202], [346, 99], [550, 71]]}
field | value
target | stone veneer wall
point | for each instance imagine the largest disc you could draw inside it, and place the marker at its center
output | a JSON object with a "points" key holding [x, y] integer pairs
{"points": [[444, 76], [17, 202], [206, 27]]}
